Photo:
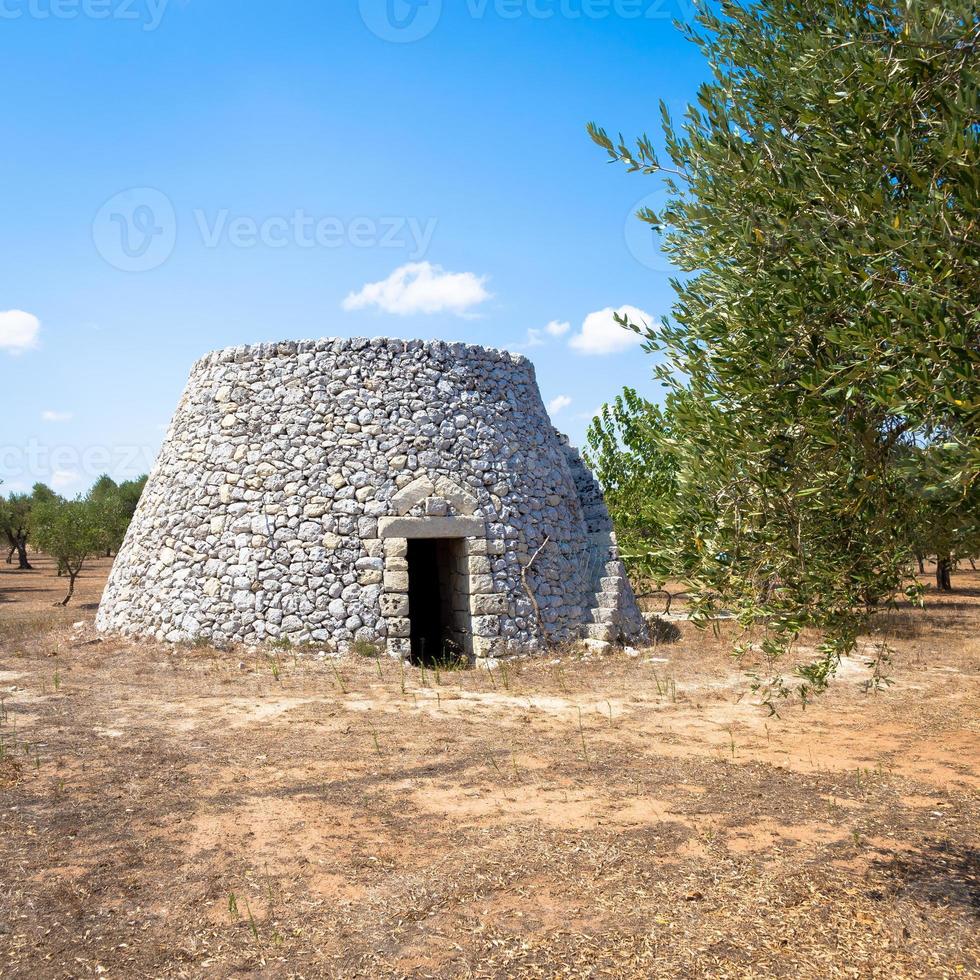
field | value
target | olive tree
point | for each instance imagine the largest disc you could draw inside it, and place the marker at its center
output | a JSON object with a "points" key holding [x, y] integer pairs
{"points": [[70, 531], [822, 210], [15, 525], [628, 450]]}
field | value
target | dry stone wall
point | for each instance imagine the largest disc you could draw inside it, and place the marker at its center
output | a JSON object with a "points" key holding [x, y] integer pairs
{"points": [[294, 474]]}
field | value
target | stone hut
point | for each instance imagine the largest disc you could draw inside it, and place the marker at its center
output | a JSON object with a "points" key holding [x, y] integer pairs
{"points": [[410, 495]]}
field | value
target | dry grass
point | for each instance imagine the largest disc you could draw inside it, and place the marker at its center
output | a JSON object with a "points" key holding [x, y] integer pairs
{"points": [[188, 813]]}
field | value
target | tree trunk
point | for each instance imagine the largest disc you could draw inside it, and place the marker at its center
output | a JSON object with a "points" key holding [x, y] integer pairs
{"points": [[11, 553], [944, 568], [922, 564], [22, 555], [108, 552], [71, 586]]}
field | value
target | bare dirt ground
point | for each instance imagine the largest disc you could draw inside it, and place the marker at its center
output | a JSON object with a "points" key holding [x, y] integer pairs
{"points": [[194, 813]]}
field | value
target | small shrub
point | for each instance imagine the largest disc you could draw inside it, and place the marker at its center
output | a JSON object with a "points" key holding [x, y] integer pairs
{"points": [[364, 648]]}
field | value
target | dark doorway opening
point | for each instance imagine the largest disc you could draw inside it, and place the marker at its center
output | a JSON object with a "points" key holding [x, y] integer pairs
{"points": [[438, 602]]}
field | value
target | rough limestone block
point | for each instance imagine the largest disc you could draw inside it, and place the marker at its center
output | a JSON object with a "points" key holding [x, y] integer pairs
{"points": [[413, 494], [399, 647], [396, 581], [374, 548], [436, 507], [394, 605], [485, 626], [462, 501], [430, 527], [477, 584], [399, 627], [396, 548], [488, 605], [489, 646]]}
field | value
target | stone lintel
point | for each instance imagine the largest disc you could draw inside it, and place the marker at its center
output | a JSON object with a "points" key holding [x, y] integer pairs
{"points": [[431, 527]]}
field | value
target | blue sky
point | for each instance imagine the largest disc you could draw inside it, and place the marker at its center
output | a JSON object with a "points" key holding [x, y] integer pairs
{"points": [[182, 175]]}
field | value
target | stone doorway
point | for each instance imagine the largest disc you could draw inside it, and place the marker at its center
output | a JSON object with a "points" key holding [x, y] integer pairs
{"points": [[438, 600]]}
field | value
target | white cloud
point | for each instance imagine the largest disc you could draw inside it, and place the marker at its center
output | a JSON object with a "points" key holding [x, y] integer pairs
{"points": [[52, 416], [534, 339], [63, 479], [559, 403], [18, 331], [601, 334], [421, 287]]}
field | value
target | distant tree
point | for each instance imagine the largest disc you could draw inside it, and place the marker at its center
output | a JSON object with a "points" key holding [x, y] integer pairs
{"points": [[69, 531], [946, 523], [115, 505], [107, 502], [42, 493], [629, 452], [15, 524], [130, 492], [823, 199]]}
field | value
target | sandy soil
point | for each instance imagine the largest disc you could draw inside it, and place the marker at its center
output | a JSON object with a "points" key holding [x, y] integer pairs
{"points": [[194, 813]]}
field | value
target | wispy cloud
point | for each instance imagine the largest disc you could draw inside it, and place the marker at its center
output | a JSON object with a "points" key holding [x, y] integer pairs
{"points": [[558, 404], [18, 331], [51, 416], [538, 336], [421, 287], [601, 334], [533, 339]]}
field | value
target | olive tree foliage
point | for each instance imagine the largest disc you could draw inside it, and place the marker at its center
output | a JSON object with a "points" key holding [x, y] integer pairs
{"points": [[946, 523], [822, 204], [115, 505], [70, 531], [628, 452], [15, 522]]}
